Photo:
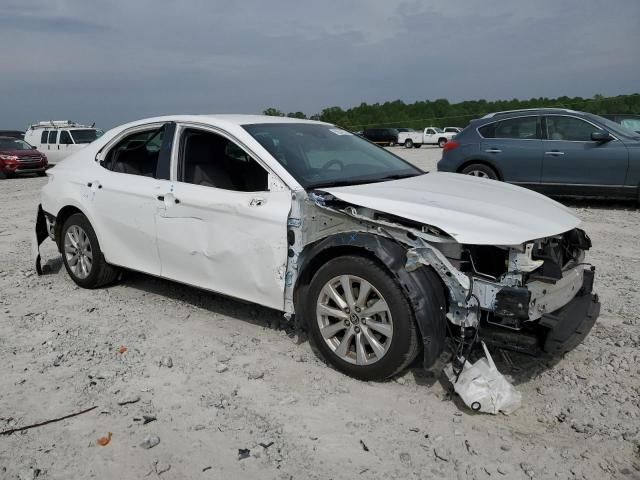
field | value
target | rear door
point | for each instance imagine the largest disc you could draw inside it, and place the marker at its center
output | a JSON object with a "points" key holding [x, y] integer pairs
{"points": [[514, 147], [65, 145], [124, 195], [571, 158], [53, 148]]}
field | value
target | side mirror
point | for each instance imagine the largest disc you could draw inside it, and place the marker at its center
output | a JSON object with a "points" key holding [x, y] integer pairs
{"points": [[601, 136]]}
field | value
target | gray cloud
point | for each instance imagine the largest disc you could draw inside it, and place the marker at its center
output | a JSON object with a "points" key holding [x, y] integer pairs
{"points": [[114, 61]]}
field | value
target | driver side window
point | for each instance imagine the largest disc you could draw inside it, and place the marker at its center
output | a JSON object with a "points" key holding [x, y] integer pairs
{"points": [[211, 160], [136, 154]]}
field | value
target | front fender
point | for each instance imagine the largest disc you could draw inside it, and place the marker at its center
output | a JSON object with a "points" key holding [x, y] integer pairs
{"points": [[429, 306]]}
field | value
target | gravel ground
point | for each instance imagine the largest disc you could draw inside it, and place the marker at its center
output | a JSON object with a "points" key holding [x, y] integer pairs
{"points": [[208, 376]]}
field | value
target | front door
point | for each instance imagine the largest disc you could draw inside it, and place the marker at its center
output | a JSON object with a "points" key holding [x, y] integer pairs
{"points": [[221, 228], [572, 158]]}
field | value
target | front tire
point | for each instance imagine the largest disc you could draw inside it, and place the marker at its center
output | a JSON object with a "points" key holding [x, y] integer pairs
{"points": [[359, 319], [82, 256]]}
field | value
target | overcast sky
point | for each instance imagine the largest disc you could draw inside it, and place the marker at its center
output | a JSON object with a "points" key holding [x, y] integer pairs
{"points": [[112, 61]]}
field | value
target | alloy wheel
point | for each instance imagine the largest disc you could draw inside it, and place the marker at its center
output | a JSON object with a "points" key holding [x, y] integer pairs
{"points": [[354, 320], [78, 252], [478, 173]]}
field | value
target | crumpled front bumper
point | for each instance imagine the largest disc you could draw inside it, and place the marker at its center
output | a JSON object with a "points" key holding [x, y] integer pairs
{"points": [[569, 325], [556, 332]]}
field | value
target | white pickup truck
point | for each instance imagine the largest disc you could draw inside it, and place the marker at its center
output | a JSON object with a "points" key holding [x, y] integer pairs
{"points": [[429, 136]]}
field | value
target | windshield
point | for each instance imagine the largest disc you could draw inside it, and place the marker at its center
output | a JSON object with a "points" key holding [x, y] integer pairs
{"points": [[631, 124], [319, 155], [613, 126], [84, 136], [8, 144]]}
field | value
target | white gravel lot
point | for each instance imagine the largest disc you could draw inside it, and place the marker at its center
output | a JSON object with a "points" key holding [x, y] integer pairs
{"points": [[241, 380]]}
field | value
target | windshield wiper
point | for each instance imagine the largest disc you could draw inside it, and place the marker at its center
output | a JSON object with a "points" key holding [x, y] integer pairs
{"points": [[398, 176], [346, 183]]}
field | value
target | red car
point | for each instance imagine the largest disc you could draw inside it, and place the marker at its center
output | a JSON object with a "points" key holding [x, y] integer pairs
{"points": [[17, 156]]}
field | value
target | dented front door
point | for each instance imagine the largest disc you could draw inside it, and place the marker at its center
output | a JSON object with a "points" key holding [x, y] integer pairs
{"points": [[230, 242]]}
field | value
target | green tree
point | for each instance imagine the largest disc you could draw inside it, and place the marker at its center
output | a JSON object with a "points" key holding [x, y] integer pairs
{"points": [[273, 112]]}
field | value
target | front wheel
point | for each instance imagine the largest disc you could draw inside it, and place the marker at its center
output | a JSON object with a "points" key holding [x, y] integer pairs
{"points": [[408, 143], [442, 142], [360, 320], [82, 256]]}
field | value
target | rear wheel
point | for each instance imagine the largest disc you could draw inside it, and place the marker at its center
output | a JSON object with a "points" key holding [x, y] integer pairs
{"points": [[480, 170], [442, 142], [82, 256], [360, 320], [408, 143]]}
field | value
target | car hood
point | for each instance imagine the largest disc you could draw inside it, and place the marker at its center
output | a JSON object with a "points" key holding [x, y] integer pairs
{"points": [[472, 210], [22, 153]]}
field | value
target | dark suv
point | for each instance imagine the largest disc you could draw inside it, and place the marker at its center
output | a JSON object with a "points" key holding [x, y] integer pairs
{"points": [[554, 151], [382, 136]]}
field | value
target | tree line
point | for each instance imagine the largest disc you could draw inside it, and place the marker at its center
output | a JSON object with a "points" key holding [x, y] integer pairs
{"points": [[441, 113]]}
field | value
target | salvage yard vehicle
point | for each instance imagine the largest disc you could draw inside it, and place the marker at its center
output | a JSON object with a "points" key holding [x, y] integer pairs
{"points": [[60, 138], [18, 157], [377, 259], [429, 136], [554, 151], [381, 136]]}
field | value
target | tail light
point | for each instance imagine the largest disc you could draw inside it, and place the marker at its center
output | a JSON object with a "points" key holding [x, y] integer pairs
{"points": [[450, 145]]}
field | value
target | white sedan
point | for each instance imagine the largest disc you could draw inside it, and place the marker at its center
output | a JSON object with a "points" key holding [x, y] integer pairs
{"points": [[377, 259]]}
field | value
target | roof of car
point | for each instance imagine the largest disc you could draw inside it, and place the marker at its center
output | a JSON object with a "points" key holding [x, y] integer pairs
{"points": [[240, 119], [530, 110]]}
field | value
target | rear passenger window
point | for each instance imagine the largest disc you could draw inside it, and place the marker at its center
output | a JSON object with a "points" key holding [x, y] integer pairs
{"points": [[136, 154], [44, 136], [211, 160], [525, 128], [53, 136]]}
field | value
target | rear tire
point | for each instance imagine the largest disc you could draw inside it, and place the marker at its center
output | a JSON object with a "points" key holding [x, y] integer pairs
{"points": [[343, 333], [82, 256], [442, 142], [408, 143], [480, 170]]}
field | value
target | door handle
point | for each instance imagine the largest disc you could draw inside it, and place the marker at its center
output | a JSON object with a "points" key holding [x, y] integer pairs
{"points": [[257, 202], [493, 150], [554, 153], [161, 198]]}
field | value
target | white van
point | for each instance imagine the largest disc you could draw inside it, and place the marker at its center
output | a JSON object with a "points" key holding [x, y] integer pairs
{"points": [[60, 138]]}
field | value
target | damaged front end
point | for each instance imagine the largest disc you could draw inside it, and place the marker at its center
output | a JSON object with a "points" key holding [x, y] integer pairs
{"points": [[534, 297]]}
